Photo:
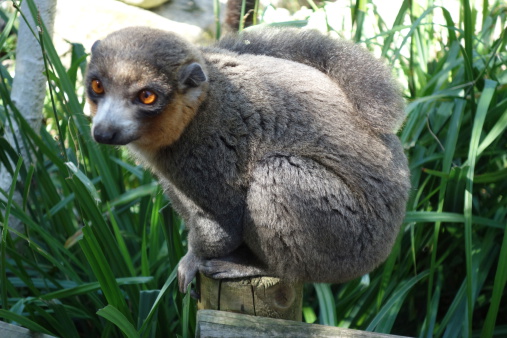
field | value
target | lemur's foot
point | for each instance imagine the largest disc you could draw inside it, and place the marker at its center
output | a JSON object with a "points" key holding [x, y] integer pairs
{"points": [[238, 264], [221, 268]]}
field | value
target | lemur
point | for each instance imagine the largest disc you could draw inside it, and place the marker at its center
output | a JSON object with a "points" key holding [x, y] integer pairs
{"points": [[277, 147]]}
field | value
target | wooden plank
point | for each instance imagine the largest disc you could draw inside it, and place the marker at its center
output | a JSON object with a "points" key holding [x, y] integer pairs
{"points": [[13, 331], [212, 323]]}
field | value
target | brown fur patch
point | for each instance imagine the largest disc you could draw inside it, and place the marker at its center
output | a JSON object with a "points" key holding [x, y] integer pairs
{"points": [[166, 128]]}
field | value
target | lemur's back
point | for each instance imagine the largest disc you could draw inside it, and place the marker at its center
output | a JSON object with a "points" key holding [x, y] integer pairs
{"points": [[280, 103], [366, 81]]}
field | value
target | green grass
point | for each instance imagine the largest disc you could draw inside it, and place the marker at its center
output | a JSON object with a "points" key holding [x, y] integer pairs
{"points": [[101, 243]]}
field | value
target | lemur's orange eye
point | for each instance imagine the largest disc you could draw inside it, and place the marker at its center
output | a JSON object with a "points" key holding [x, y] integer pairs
{"points": [[97, 87], [147, 97]]}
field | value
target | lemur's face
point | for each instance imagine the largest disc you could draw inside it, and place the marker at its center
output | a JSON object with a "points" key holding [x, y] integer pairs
{"points": [[125, 101], [135, 98]]}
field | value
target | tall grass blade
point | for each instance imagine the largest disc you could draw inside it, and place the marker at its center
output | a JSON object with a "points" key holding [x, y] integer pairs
{"points": [[498, 291], [326, 304], [218, 27], [185, 315], [497, 130], [358, 18], [146, 301], [103, 272], [91, 287], [7, 29], [391, 308], [450, 147], [5, 232], [480, 116], [116, 317], [242, 16], [156, 303], [122, 246]]}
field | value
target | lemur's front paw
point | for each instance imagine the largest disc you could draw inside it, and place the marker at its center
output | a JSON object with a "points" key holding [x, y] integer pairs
{"points": [[187, 269]]}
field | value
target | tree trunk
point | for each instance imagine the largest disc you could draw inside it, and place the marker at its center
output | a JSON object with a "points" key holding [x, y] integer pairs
{"points": [[28, 87]]}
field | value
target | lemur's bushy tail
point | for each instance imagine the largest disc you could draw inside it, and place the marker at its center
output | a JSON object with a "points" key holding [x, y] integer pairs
{"points": [[366, 81]]}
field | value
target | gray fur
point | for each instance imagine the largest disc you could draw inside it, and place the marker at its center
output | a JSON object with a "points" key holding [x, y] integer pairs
{"points": [[289, 167], [366, 81]]}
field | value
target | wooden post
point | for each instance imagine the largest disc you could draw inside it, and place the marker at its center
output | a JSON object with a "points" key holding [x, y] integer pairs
{"points": [[257, 296], [245, 304]]}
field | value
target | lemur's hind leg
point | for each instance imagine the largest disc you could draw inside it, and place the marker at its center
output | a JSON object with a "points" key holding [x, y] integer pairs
{"points": [[306, 223]]}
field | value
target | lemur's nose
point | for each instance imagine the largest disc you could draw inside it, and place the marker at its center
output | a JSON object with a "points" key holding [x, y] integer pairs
{"points": [[105, 134]]}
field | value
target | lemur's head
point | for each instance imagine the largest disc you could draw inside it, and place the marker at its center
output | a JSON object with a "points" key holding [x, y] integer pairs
{"points": [[144, 86]]}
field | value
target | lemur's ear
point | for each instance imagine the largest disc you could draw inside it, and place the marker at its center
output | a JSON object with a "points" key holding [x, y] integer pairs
{"points": [[192, 75], [95, 45]]}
